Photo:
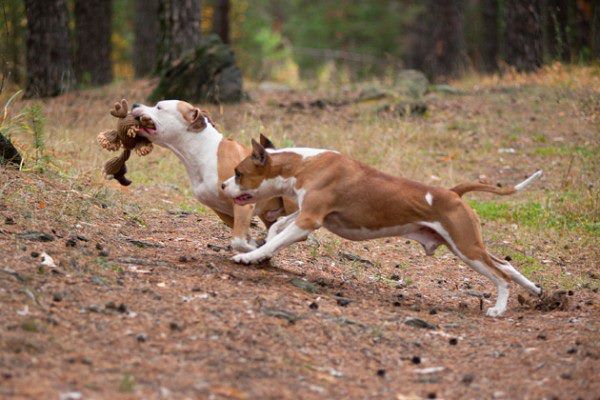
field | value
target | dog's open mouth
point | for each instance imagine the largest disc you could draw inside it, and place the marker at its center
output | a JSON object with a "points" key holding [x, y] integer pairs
{"points": [[147, 125], [243, 199]]}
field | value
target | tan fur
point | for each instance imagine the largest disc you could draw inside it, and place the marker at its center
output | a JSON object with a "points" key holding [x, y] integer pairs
{"points": [[356, 195]]}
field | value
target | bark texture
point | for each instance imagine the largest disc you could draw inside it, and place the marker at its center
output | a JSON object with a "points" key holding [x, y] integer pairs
{"points": [[93, 29], [490, 45], [523, 34], [147, 30], [221, 20], [447, 54], [180, 29], [48, 59]]}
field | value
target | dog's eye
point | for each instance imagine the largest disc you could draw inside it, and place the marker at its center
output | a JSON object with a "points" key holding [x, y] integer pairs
{"points": [[238, 174], [158, 108]]}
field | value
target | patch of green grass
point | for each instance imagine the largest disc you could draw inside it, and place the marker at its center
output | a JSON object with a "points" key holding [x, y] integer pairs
{"points": [[540, 138], [536, 215], [127, 383], [559, 150]]}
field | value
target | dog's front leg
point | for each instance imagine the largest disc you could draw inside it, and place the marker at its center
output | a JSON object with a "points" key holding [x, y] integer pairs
{"points": [[290, 234], [280, 225], [242, 216]]}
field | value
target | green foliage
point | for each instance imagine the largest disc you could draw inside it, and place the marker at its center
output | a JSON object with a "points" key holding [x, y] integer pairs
{"points": [[535, 215], [35, 121]]}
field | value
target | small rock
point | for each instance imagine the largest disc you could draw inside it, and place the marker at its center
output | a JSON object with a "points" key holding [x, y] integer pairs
{"points": [[394, 277], [71, 242], [416, 360], [57, 297], [99, 246], [290, 317], [9, 221], [93, 308], [453, 341], [215, 247], [36, 236], [508, 258], [566, 376], [175, 326], [343, 302], [183, 259], [305, 285], [142, 337], [381, 372], [354, 257], [431, 395], [542, 336], [433, 311], [35, 254], [572, 350], [467, 379], [313, 306], [103, 253], [419, 323]]}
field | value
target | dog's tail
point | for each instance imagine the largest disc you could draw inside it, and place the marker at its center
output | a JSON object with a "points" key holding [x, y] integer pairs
{"points": [[483, 187]]}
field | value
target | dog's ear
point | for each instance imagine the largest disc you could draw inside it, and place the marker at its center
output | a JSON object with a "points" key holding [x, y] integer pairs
{"points": [[259, 154], [266, 142], [197, 121], [120, 109]]}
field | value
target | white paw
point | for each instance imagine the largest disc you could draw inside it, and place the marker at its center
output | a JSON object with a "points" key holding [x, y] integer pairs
{"points": [[249, 258], [495, 311], [242, 245]]}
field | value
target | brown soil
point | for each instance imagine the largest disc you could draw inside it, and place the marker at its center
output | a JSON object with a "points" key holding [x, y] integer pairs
{"points": [[170, 317]]}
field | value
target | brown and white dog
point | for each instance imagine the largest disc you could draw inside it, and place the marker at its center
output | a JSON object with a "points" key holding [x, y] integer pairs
{"points": [[358, 202], [209, 158]]}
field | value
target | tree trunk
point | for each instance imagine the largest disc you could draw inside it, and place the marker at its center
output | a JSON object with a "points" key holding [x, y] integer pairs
{"points": [[49, 68], [490, 45], [147, 30], [13, 41], [93, 29], [180, 29], [523, 34], [556, 26], [595, 28], [446, 51], [221, 20]]}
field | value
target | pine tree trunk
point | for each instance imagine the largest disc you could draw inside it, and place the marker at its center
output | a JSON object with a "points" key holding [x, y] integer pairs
{"points": [[595, 28], [523, 34], [93, 29], [221, 20], [180, 29], [147, 30], [446, 51], [490, 45], [49, 68], [556, 26]]}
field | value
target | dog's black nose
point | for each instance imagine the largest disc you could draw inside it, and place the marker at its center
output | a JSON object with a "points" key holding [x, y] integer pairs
{"points": [[135, 105], [223, 185]]}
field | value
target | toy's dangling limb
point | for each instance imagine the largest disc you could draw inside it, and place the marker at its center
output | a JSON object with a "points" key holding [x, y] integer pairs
{"points": [[115, 168], [109, 140]]}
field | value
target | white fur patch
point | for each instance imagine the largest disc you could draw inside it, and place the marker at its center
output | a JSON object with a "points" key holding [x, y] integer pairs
{"points": [[429, 198], [528, 181], [305, 152]]}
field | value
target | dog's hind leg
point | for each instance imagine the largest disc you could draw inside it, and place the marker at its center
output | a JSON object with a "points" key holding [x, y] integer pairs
{"points": [[516, 276]]}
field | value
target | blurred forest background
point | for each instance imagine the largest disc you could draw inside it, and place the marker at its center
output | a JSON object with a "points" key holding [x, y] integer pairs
{"points": [[78, 43]]}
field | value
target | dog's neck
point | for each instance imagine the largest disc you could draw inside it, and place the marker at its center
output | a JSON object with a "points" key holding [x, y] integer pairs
{"points": [[198, 152]]}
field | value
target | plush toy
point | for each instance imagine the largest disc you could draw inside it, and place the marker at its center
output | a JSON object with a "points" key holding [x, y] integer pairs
{"points": [[124, 136]]}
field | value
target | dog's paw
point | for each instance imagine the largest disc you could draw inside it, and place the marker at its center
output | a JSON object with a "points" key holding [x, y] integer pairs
{"points": [[495, 311], [242, 245], [249, 258]]}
